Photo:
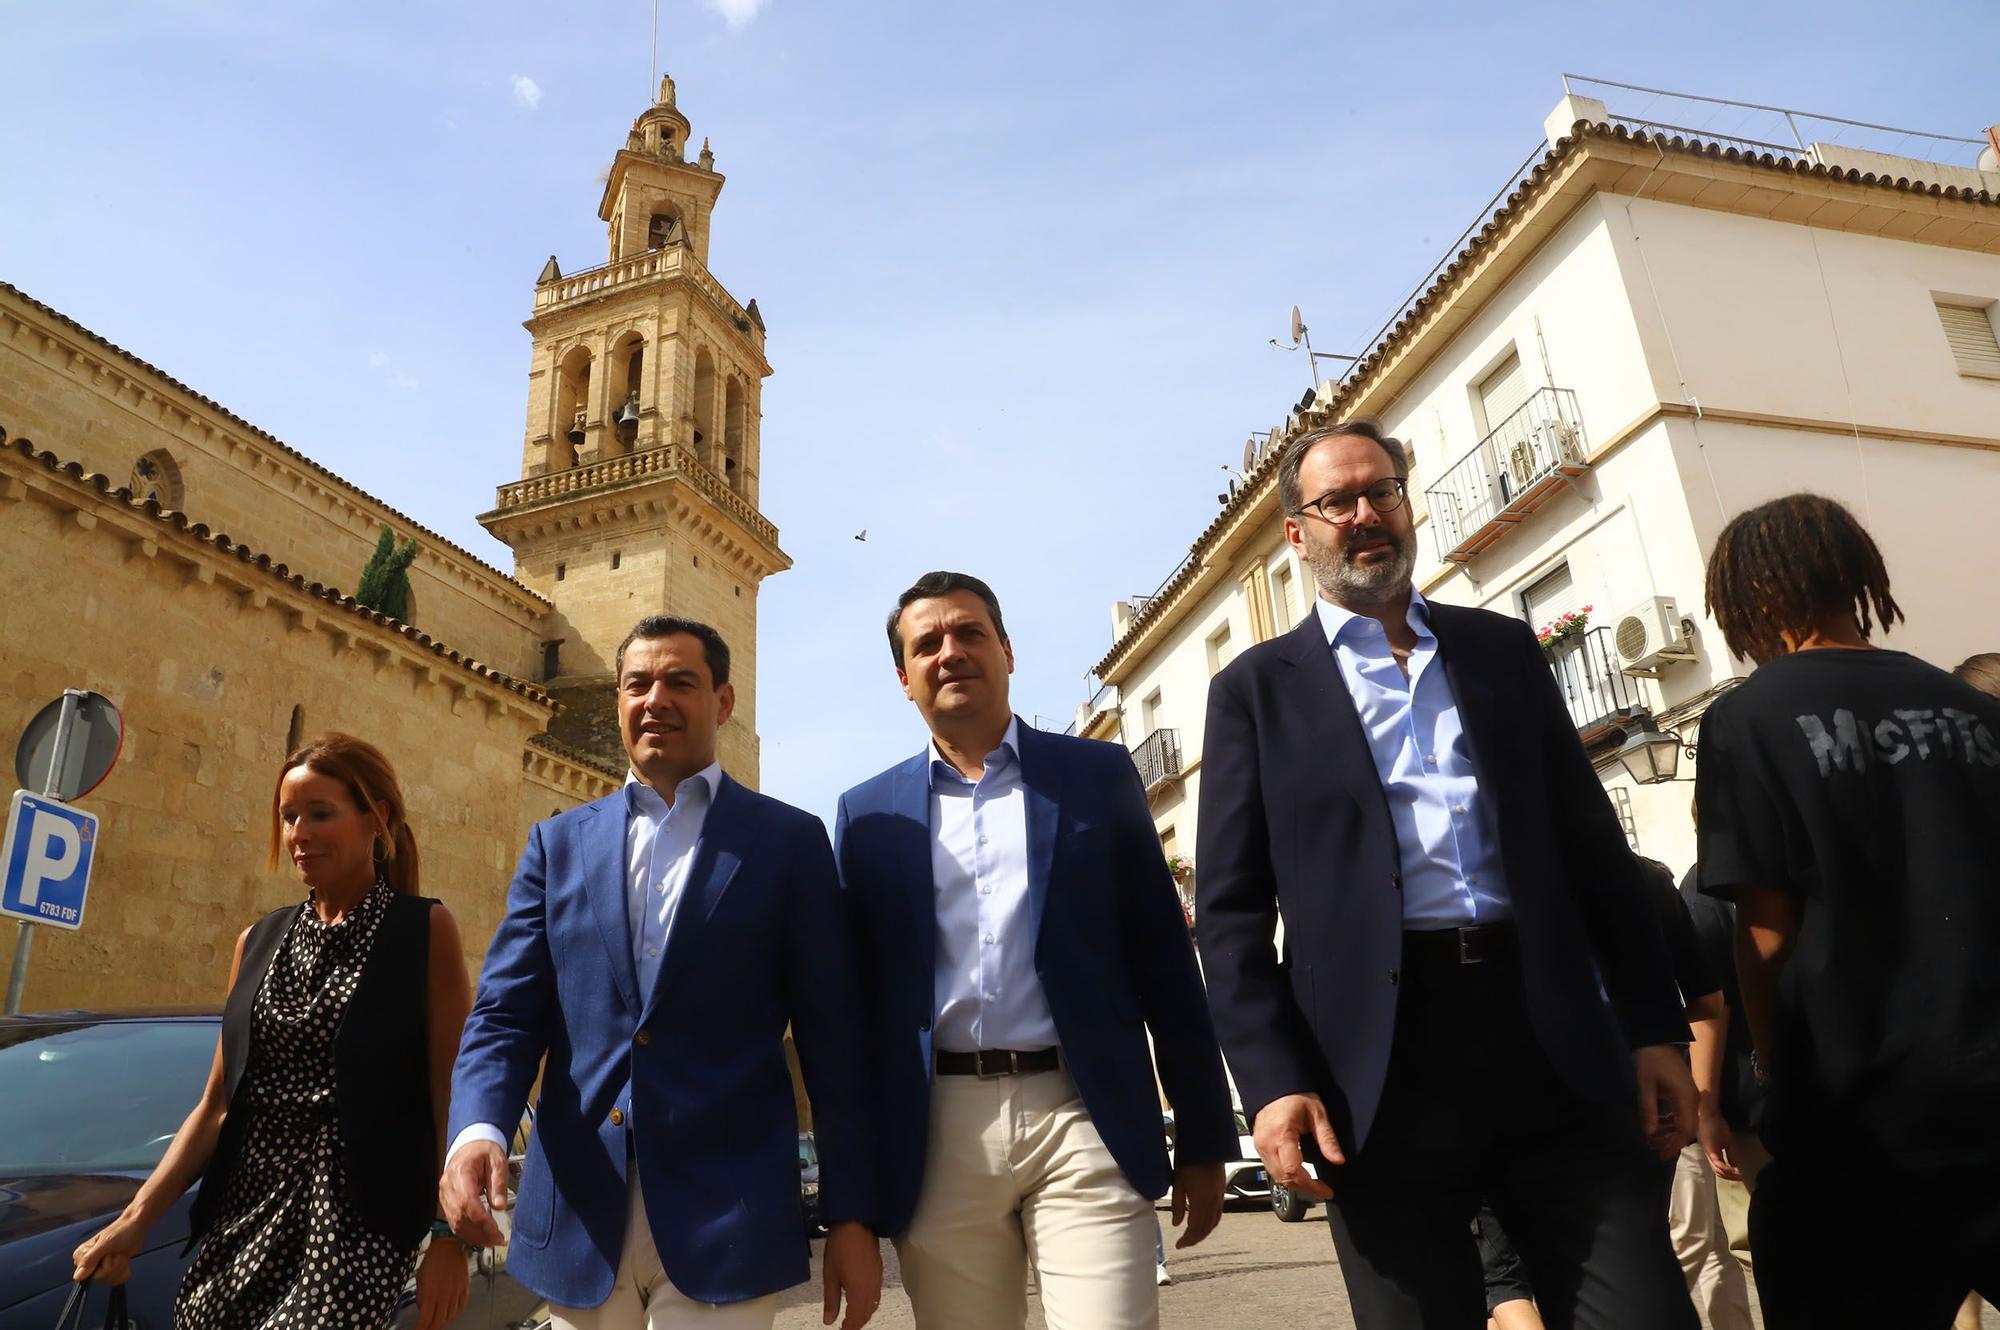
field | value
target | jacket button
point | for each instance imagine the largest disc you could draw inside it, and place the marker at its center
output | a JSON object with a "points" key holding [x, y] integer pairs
{"points": [[643, 1038], [617, 1117], [1392, 976]]}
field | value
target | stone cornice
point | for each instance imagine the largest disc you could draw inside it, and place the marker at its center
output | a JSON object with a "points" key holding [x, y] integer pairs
{"points": [[674, 267], [148, 532], [117, 375], [568, 771]]}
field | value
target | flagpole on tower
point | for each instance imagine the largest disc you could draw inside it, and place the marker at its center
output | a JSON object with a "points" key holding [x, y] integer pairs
{"points": [[653, 71]]}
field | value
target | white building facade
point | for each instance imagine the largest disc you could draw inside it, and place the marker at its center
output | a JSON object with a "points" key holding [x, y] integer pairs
{"points": [[1650, 336]]}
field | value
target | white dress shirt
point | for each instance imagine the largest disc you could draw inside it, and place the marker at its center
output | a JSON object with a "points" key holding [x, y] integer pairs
{"points": [[1448, 842], [660, 844], [987, 992]]}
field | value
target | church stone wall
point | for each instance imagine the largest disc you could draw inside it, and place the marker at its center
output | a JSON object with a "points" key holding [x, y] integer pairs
{"points": [[208, 655], [76, 395]]}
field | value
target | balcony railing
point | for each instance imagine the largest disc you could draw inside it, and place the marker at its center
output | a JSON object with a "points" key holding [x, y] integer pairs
{"points": [[1599, 695], [1528, 459], [1158, 758], [671, 461], [673, 262], [1104, 700]]}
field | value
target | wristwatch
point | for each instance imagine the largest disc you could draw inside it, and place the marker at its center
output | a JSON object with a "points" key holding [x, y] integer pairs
{"points": [[1758, 1071], [441, 1231]]}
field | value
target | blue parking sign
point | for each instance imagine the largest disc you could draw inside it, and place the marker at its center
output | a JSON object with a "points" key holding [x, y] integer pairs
{"points": [[45, 864]]}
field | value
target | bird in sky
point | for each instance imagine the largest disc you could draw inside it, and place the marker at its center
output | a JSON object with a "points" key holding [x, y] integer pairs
{"points": [[862, 535]]}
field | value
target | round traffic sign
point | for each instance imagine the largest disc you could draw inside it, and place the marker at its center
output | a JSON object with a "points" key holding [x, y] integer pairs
{"points": [[90, 747]]}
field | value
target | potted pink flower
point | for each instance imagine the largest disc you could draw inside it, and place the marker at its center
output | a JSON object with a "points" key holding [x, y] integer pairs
{"points": [[1554, 634]]}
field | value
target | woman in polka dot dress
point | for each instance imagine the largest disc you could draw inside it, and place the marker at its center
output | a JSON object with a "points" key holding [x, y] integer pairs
{"points": [[318, 1137]]}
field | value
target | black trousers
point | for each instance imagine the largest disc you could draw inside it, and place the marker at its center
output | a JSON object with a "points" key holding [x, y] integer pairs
{"points": [[1840, 1241], [1473, 1112]]}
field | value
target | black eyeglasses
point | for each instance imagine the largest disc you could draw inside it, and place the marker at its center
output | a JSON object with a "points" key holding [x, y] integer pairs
{"points": [[1336, 507]]}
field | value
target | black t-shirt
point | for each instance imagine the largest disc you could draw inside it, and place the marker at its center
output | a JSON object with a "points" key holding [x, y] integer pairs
{"points": [[1714, 923], [1693, 974], [1867, 785]]}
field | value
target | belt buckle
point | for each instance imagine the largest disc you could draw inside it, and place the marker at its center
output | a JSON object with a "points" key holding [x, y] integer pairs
{"points": [[1006, 1068], [1465, 956]]}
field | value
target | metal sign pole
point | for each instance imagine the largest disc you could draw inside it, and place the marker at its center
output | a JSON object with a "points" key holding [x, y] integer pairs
{"points": [[17, 979]]}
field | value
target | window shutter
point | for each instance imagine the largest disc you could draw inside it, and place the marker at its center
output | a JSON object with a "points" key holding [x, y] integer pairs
{"points": [[1502, 392], [1973, 343], [1551, 598]]}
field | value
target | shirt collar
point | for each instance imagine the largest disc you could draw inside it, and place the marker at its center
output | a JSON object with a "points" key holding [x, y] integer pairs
{"points": [[643, 798], [1335, 619], [1010, 744]]}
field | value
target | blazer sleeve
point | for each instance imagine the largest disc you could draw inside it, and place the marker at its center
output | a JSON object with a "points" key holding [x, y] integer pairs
{"points": [[829, 1027], [507, 1032], [1169, 981], [1263, 1032], [1605, 878]]}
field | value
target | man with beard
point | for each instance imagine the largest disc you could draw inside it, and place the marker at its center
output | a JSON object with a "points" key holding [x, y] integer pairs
{"points": [[1472, 1002]]}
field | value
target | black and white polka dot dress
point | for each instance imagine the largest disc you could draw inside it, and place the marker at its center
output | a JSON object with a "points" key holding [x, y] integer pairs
{"points": [[287, 1250]]}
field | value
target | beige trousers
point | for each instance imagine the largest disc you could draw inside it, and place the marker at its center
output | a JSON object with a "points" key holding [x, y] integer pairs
{"points": [[644, 1298], [1694, 1220], [1733, 1198], [1016, 1175]]}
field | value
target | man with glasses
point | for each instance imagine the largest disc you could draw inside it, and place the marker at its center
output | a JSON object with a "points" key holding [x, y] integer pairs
{"points": [[1472, 1001]]}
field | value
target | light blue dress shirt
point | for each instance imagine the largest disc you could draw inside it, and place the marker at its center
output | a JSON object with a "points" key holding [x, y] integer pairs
{"points": [[659, 852], [987, 992], [1446, 835]]}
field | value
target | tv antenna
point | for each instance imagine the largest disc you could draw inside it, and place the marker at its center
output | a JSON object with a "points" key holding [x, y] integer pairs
{"points": [[1301, 338]]}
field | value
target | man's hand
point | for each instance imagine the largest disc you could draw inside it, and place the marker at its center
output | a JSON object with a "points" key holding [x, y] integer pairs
{"points": [[475, 1178], [1718, 1142], [853, 1262], [1666, 1098], [1197, 1199], [1280, 1125], [443, 1281]]}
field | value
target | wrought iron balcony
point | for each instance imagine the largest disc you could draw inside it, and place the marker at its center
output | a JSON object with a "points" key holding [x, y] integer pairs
{"points": [[1527, 460], [1599, 695], [1158, 758]]}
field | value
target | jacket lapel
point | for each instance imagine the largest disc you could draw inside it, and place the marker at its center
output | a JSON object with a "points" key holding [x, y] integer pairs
{"points": [[1041, 784], [604, 882], [1329, 727], [910, 797], [717, 857]]}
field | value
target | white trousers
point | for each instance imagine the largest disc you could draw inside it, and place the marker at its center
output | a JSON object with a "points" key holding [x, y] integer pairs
{"points": [[1701, 1244], [643, 1298], [1016, 1174]]}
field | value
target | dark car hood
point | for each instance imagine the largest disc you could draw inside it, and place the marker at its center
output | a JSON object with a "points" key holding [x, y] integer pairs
{"points": [[33, 1205], [43, 1217]]}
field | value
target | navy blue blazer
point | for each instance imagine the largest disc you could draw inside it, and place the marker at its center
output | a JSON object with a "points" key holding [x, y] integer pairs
{"points": [[695, 1070], [1111, 951], [1294, 819]]}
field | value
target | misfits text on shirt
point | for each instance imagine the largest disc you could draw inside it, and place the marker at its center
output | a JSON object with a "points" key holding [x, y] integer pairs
{"points": [[1942, 734]]}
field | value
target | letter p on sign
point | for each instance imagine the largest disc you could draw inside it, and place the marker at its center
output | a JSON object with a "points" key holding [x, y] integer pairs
{"points": [[45, 866]]}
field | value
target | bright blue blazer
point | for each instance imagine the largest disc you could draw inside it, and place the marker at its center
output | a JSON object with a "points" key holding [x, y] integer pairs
{"points": [[695, 1069], [1111, 951]]}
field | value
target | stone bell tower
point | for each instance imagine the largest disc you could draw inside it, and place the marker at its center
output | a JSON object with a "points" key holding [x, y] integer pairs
{"points": [[638, 489]]}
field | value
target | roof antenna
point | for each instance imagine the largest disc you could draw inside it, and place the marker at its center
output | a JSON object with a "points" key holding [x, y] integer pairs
{"points": [[653, 70]]}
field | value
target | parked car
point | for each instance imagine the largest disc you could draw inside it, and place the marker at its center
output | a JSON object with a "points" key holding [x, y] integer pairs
{"points": [[92, 1099], [809, 1185], [1244, 1179]]}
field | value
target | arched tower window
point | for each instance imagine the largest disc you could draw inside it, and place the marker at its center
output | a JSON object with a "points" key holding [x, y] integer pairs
{"points": [[706, 444], [627, 366], [157, 476], [664, 229], [572, 408], [295, 733], [732, 434]]}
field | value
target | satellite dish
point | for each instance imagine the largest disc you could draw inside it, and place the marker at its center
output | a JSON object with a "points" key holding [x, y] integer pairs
{"points": [[1249, 454], [1298, 326]]}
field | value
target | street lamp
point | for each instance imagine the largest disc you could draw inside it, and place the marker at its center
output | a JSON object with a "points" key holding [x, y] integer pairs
{"points": [[1651, 757]]}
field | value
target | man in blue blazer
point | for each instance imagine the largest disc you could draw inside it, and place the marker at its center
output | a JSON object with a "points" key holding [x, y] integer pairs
{"points": [[656, 945], [1021, 937]]}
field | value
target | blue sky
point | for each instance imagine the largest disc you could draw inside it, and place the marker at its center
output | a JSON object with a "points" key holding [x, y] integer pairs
{"points": [[1020, 263]]}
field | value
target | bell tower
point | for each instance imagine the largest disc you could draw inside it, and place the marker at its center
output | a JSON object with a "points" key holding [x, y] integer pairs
{"points": [[638, 488]]}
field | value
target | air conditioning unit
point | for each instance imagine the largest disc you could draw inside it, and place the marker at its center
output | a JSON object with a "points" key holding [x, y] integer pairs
{"points": [[1651, 634]]}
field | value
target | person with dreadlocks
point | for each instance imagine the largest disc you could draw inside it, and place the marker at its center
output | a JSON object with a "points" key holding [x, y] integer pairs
{"points": [[1849, 802]]}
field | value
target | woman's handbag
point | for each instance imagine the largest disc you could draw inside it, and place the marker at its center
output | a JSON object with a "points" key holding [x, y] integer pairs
{"points": [[71, 1317]]}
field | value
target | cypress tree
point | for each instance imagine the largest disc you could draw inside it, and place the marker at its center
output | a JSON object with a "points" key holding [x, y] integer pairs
{"points": [[385, 581]]}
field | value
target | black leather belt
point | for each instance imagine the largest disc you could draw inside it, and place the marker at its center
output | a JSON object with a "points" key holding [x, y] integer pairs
{"points": [[990, 1062], [1475, 945]]}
